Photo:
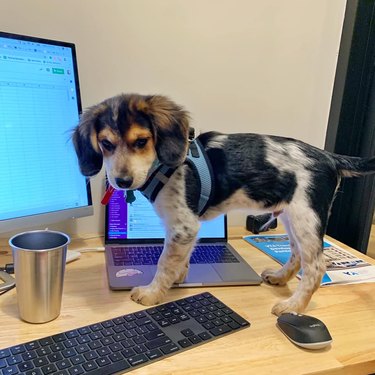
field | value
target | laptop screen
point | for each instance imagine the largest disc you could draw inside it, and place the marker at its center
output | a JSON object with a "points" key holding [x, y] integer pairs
{"points": [[138, 221]]}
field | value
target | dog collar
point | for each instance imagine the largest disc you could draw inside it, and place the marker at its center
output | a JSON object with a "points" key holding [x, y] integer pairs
{"points": [[197, 159]]}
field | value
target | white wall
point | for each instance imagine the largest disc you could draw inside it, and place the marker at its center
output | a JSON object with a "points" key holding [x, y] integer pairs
{"points": [[237, 65]]}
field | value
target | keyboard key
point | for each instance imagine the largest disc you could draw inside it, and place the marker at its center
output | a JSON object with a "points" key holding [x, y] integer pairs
{"points": [[17, 349], [238, 319], [154, 334], [187, 332], [76, 370], [13, 360], [96, 327], [65, 363], [59, 337], [114, 357], [103, 351], [71, 334], [69, 353], [170, 348], [4, 353], [78, 359], [26, 366], [34, 372], [217, 331], [153, 354], [195, 339], [127, 353], [70, 343], [205, 336], [55, 357], [82, 349], [49, 369], [185, 343], [153, 344], [138, 359], [57, 347], [90, 365], [103, 361], [39, 362], [43, 351], [234, 325], [91, 355], [10, 370], [46, 341]]}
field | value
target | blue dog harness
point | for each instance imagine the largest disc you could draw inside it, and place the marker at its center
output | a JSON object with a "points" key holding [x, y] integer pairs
{"points": [[198, 160]]}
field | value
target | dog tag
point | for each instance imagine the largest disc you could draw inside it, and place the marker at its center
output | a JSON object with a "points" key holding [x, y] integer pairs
{"points": [[107, 195], [130, 197]]}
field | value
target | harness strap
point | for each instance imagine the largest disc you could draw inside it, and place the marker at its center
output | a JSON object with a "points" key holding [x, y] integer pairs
{"points": [[198, 160], [158, 178]]}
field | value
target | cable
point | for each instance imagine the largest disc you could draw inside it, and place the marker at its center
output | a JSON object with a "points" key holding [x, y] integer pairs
{"points": [[9, 268]]}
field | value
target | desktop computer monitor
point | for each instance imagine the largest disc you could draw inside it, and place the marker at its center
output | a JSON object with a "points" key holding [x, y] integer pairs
{"points": [[40, 181]]}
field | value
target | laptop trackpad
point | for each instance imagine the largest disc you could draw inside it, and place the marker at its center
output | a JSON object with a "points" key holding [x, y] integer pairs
{"points": [[202, 273], [236, 272]]}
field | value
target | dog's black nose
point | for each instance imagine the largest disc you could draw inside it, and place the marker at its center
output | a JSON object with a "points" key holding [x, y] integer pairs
{"points": [[124, 183]]}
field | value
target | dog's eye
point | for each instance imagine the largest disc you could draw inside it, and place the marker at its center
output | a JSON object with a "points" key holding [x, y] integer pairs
{"points": [[140, 143], [107, 145]]}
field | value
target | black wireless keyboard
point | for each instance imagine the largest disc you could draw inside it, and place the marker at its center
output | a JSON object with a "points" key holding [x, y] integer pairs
{"points": [[118, 345]]}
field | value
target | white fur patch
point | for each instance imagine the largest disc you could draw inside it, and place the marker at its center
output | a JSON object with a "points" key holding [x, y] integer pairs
{"points": [[217, 141]]}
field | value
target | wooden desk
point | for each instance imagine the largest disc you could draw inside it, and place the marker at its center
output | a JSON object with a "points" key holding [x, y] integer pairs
{"points": [[347, 310]]}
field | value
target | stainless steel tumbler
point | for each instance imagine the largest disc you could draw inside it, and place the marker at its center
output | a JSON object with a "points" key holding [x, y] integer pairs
{"points": [[39, 266]]}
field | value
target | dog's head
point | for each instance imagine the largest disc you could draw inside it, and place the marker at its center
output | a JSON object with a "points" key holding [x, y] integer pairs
{"points": [[128, 133]]}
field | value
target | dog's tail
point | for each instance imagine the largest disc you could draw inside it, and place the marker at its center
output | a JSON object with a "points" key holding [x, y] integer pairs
{"points": [[350, 166]]}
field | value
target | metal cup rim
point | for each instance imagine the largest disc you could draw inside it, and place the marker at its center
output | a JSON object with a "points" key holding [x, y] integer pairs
{"points": [[39, 231]]}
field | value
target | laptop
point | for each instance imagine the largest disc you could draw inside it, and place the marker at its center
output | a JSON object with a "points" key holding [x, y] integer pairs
{"points": [[134, 237]]}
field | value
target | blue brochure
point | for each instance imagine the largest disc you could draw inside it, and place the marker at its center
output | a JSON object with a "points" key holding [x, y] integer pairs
{"points": [[342, 266]]}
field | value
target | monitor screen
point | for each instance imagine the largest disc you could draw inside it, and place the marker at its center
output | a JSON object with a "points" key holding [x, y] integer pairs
{"points": [[40, 181]]}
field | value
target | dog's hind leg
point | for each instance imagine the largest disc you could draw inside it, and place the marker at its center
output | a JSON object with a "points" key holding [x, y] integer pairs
{"points": [[308, 232], [172, 265], [292, 266]]}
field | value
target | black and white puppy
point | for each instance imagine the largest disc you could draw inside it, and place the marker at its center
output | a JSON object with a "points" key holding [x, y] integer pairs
{"points": [[265, 174]]}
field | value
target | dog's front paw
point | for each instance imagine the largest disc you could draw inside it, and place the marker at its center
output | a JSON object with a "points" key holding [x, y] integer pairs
{"points": [[286, 306], [273, 277], [146, 295]]}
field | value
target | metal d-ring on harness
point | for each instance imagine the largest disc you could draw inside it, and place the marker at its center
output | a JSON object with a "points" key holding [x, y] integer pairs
{"points": [[198, 160]]}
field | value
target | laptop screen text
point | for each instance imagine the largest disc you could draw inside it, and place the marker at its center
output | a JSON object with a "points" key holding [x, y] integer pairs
{"points": [[138, 220]]}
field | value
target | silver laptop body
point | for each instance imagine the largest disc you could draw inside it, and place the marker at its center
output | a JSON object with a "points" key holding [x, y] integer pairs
{"points": [[134, 240]]}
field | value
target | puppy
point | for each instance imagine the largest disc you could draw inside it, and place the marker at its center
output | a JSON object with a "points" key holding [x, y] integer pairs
{"points": [[265, 174]]}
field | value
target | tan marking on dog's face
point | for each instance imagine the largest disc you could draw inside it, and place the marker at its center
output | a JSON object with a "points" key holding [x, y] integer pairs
{"points": [[94, 141], [107, 134], [137, 132], [130, 156]]}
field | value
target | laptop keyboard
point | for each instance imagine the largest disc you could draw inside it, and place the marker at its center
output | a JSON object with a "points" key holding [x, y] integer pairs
{"points": [[126, 342], [148, 255]]}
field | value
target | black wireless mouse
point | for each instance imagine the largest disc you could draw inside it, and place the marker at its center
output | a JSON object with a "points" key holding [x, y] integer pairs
{"points": [[303, 330]]}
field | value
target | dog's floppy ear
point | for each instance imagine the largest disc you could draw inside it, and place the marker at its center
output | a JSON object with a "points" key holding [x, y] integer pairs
{"points": [[171, 128], [85, 141]]}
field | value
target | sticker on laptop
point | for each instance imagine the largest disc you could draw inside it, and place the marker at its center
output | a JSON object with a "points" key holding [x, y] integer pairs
{"points": [[128, 272]]}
